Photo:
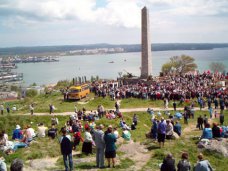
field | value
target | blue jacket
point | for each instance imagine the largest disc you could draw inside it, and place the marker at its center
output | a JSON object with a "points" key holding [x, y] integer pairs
{"points": [[207, 133], [17, 134]]}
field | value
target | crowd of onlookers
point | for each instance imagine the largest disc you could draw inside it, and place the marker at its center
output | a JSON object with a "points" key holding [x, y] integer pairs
{"points": [[178, 88], [95, 136], [82, 127]]}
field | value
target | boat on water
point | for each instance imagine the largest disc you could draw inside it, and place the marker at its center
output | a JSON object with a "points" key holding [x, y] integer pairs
{"points": [[111, 62], [8, 66], [10, 77]]}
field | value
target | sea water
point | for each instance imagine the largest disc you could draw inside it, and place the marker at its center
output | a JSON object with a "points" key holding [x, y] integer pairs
{"points": [[110, 65]]}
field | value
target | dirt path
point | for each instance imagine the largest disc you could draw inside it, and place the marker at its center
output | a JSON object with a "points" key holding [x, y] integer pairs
{"points": [[137, 153], [121, 110]]}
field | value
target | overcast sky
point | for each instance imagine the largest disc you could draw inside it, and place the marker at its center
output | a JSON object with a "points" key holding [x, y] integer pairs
{"points": [[67, 22]]}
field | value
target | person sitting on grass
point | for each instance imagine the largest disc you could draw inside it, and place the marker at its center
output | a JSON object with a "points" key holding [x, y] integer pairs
{"points": [[126, 135], [32, 131], [28, 134], [41, 130], [24, 142], [168, 163], [125, 126], [202, 165], [133, 126], [184, 164], [52, 132], [16, 165], [116, 133], [207, 132], [2, 164], [216, 131], [17, 133], [3, 146]]}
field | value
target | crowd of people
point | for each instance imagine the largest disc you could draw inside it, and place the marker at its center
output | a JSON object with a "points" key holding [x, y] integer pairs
{"points": [[82, 128], [177, 88], [94, 136]]}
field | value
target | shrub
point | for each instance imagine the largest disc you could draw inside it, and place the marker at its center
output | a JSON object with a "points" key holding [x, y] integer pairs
{"points": [[31, 93]]}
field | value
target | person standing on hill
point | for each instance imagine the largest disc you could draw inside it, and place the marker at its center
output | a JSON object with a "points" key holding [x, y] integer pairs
{"points": [[221, 118], [100, 146], [66, 150], [117, 106], [135, 120], [51, 108], [110, 147], [8, 109], [2, 109], [174, 106], [161, 132], [200, 122], [31, 108]]}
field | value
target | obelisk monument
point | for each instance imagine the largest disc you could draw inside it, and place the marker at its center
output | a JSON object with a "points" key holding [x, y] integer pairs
{"points": [[146, 61]]}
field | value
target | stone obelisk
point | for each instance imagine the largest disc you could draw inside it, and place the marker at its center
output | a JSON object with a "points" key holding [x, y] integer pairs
{"points": [[146, 66]]}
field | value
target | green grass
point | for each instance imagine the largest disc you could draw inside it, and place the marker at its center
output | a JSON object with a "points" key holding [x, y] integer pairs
{"points": [[42, 101], [44, 147]]}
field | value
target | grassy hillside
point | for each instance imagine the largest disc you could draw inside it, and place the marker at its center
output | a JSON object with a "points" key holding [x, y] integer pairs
{"points": [[44, 147]]}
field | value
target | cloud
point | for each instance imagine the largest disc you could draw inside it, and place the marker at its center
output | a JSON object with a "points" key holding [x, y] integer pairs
{"points": [[120, 13], [112, 21]]}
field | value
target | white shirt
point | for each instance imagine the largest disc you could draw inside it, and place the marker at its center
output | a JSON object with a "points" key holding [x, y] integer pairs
{"points": [[116, 133], [41, 131]]}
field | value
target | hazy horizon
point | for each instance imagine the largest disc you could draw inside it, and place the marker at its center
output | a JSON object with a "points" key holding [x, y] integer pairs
{"points": [[107, 44]]}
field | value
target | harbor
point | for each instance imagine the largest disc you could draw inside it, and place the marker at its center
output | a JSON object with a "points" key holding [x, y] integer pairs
{"points": [[9, 64], [30, 59]]}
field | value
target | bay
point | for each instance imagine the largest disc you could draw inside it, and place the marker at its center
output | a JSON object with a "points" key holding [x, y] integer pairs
{"points": [[69, 67]]}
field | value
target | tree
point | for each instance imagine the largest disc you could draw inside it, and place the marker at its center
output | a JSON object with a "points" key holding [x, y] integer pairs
{"points": [[217, 67], [31, 93], [166, 68], [181, 64]]}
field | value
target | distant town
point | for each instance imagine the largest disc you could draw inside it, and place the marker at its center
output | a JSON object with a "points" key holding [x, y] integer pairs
{"points": [[67, 50]]}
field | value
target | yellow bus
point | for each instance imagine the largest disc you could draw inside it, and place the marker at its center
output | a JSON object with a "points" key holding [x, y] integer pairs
{"points": [[78, 92]]}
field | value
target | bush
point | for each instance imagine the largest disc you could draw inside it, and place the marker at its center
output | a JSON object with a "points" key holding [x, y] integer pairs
{"points": [[31, 93]]}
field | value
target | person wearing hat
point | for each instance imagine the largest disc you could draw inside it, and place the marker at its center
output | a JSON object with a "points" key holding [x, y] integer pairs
{"points": [[17, 133], [110, 147], [100, 146]]}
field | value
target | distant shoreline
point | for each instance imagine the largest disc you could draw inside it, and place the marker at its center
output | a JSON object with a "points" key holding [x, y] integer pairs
{"points": [[69, 50]]}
